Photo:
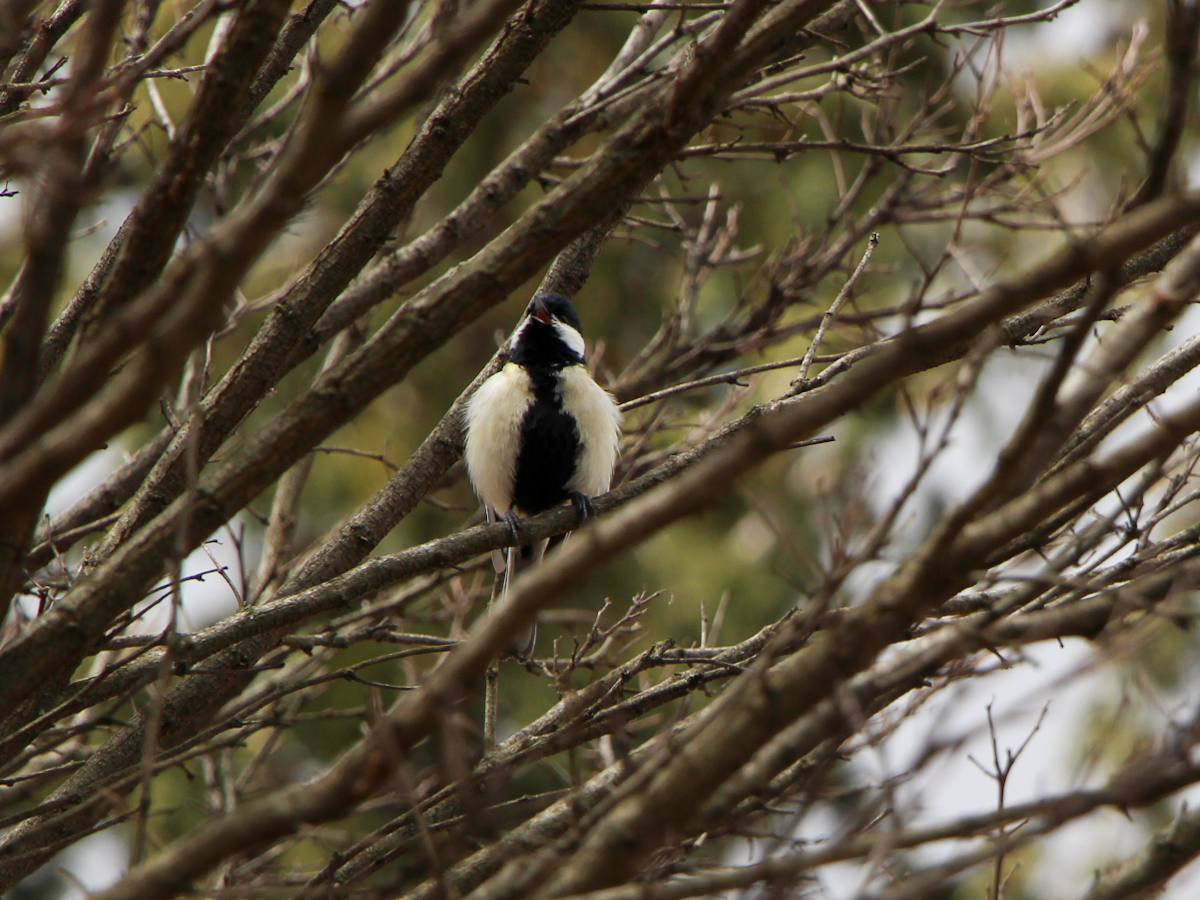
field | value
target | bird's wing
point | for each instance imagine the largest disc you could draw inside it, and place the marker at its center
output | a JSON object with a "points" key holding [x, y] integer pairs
{"points": [[493, 440], [599, 421]]}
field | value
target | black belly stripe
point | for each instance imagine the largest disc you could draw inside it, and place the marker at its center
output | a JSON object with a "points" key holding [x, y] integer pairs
{"points": [[549, 448]]}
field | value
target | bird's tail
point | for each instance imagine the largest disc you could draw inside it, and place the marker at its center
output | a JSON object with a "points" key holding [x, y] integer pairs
{"points": [[517, 559], [508, 564]]}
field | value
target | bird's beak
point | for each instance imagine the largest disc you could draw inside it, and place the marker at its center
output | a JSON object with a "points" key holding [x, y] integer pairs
{"points": [[539, 310]]}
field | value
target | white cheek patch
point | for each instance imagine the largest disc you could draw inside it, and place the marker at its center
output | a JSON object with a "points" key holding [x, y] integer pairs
{"points": [[516, 335], [569, 336]]}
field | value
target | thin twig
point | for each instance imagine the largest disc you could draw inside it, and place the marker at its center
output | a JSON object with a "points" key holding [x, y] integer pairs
{"points": [[828, 318]]}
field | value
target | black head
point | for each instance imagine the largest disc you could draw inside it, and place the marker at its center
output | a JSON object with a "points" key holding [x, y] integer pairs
{"points": [[557, 306], [549, 337]]}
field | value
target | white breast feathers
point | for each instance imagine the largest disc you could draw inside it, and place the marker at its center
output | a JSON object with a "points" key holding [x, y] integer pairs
{"points": [[493, 421], [599, 421]]}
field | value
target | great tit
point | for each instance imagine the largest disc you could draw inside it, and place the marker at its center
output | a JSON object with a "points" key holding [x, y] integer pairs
{"points": [[540, 431]]}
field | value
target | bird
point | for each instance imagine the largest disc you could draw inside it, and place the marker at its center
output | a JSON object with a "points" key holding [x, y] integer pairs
{"points": [[540, 432]]}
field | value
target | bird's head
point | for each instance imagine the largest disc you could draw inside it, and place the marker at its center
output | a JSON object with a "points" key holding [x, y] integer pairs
{"points": [[549, 336]]}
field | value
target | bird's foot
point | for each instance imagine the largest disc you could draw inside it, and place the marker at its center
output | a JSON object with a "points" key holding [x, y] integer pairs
{"points": [[583, 505], [513, 523]]}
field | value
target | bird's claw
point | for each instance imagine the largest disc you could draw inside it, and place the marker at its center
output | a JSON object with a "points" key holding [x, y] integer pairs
{"points": [[513, 523], [583, 505]]}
